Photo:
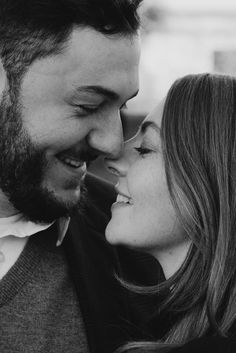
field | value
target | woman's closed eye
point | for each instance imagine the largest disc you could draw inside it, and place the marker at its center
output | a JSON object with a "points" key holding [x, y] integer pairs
{"points": [[142, 150]]}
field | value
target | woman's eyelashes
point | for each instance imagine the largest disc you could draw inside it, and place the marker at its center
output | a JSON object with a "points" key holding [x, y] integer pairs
{"points": [[142, 150]]}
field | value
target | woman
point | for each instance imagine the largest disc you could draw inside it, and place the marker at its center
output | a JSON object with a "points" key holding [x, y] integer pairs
{"points": [[177, 201]]}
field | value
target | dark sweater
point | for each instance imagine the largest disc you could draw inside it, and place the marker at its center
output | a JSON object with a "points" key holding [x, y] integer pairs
{"points": [[39, 309]]}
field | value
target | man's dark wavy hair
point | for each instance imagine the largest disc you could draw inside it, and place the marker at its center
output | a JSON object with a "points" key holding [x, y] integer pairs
{"points": [[33, 29]]}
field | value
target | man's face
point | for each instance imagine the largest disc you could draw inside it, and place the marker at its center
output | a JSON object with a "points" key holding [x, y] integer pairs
{"points": [[69, 109]]}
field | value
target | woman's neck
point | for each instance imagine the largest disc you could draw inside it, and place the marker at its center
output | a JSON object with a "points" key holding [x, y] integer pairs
{"points": [[171, 259]]}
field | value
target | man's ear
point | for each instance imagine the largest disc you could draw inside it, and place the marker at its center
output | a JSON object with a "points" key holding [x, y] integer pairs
{"points": [[3, 78]]}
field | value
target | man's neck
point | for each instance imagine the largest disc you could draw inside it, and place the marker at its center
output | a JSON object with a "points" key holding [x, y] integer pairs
{"points": [[6, 208]]}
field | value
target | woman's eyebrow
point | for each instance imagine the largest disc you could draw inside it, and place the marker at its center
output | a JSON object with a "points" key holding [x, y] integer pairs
{"points": [[149, 124]]}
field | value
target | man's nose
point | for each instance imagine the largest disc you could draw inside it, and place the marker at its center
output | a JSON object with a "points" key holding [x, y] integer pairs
{"points": [[120, 166], [107, 137]]}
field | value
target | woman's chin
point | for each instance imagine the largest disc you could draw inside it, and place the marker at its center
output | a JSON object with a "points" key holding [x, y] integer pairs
{"points": [[112, 234], [117, 234], [109, 234]]}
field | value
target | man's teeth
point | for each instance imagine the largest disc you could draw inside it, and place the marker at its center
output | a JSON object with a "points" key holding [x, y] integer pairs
{"points": [[124, 199], [71, 162]]}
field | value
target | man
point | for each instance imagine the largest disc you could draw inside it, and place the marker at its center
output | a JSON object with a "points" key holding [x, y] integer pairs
{"points": [[67, 69]]}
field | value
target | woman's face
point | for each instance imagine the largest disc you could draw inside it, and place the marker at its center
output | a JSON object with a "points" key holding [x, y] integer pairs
{"points": [[143, 216]]}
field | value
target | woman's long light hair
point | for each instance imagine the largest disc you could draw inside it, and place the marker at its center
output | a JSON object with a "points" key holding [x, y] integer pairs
{"points": [[199, 138]]}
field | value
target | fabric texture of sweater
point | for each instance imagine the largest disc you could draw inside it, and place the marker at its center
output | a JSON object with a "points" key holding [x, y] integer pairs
{"points": [[67, 299], [39, 309]]}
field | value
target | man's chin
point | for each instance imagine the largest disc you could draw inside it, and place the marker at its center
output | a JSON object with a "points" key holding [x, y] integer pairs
{"points": [[68, 197], [45, 206]]}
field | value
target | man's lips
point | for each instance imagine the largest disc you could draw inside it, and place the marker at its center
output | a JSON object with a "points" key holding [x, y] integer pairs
{"points": [[71, 161], [75, 160]]}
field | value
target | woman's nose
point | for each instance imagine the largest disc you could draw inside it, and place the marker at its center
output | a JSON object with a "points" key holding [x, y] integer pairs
{"points": [[116, 167]]}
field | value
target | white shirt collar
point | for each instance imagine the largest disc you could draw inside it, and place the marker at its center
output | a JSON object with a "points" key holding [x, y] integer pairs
{"points": [[62, 226], [19, 227]]}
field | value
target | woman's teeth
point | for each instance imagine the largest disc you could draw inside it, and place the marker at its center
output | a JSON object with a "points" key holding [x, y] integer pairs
{"points": [[124, 199]]}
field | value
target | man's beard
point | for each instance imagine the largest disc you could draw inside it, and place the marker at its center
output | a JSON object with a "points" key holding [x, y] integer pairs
{"points": [[22, 169]]}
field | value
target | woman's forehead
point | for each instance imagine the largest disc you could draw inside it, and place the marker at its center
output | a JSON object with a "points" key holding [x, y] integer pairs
{"points": [[156, 114]]}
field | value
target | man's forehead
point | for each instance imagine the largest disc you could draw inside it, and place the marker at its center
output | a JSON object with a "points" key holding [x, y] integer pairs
{"points": [[58, 77], [84, 66], [92, 49]]}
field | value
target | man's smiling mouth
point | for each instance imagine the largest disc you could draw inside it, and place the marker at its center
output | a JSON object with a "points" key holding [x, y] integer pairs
{"points": [[76, 159], [71, 161]]}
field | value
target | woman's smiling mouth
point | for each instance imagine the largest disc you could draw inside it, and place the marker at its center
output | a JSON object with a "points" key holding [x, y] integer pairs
{"points": [[124, 199]]}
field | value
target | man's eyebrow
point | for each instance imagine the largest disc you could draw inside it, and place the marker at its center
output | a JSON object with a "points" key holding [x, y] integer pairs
{"points": [[149, 124], [101, 91]]}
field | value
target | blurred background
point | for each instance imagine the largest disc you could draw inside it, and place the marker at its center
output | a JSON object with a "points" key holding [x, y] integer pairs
{"points": [[178, 37]]}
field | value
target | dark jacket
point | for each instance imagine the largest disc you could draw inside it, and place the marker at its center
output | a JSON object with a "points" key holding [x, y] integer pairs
{"points": [[109, 319], [112, 315]]}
